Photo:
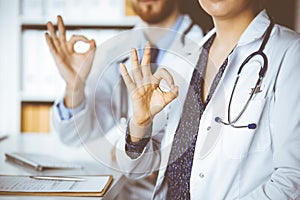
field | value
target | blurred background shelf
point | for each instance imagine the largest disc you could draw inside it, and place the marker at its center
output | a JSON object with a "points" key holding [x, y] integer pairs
{"points": [[40, 24], [39, 97], [35, 116], [29, 80]]}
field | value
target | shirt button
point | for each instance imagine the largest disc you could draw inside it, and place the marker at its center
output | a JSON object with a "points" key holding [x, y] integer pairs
{"points": [[201, 175], [208, 128]]}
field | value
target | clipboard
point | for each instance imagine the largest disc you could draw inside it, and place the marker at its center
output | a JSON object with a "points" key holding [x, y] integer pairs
{"points": [[85, 186]]}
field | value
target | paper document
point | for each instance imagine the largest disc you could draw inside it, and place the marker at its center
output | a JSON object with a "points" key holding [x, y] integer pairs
{"points": [[87, 186]]}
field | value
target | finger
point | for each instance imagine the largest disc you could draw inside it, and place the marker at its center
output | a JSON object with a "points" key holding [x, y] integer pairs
{"points": [[61, 30], [145, 64], [171, 95], [52, 32], [92, 45], [91, 52], [126, 77], [164, 74], [74, 39], [51, 44], [136, 69]]}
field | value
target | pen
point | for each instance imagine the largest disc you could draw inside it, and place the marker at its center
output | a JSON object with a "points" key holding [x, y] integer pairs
{"points": [[57, 178], [3, 137]]}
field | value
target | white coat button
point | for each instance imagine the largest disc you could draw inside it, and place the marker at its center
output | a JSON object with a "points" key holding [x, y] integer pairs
{"points": [[123, 121], [208, 128], [201, 175]]}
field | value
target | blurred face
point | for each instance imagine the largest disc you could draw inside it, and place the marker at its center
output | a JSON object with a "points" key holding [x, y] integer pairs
{"points": [[154, 11], [228, 8]]}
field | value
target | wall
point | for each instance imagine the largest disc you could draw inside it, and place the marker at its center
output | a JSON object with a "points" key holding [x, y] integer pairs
{"points": [[297, 16], [9, 66]]}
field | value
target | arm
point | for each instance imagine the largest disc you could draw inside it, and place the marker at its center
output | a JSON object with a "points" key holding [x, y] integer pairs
{"points": [[96, 116], [284, 114], [74, 68], [67, 113], [147, 101], [62, 121]]}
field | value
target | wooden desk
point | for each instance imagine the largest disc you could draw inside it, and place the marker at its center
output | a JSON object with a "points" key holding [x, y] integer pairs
{"points": [[49, 144]]}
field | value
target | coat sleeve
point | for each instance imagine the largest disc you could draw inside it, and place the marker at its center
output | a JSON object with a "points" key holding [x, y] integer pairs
{"points": [[67, 129], [142, 166], [98, 115], [284, 117]]}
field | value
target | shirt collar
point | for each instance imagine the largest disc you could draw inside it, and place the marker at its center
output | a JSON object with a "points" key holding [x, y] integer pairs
{"points": [[164, 42], [168, 38], [256, 28]]}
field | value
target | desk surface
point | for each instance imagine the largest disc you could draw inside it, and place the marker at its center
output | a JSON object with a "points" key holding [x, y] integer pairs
{"points": [[49, 144]]}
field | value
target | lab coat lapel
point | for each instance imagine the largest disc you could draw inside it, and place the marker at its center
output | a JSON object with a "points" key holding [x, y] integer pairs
{"points": [[256, 29]]}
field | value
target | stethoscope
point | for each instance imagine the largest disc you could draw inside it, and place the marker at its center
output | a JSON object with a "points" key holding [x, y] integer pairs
{"points": [[257, 85]]}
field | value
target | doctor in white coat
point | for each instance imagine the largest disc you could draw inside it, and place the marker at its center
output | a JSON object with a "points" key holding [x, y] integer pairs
{"points": [[248, 137], [96, 102]]}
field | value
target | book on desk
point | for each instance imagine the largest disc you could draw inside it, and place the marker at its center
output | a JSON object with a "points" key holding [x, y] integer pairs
{"points": [[87, 185], [40, 162]]}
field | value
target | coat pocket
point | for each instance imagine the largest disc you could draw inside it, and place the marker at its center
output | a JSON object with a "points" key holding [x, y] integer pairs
{"points": [[238, 142]]}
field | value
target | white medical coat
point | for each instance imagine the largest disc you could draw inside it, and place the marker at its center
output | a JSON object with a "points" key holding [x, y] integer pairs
{"points": [[231, 163]]}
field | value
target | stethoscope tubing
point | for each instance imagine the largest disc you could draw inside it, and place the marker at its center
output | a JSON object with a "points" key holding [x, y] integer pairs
{"points": [[258, 82]]}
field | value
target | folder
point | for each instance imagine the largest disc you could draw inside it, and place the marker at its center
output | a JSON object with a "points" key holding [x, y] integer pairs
{"points": [[83, 186]]}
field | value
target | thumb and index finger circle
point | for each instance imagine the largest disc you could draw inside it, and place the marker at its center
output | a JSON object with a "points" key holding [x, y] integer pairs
{"points": [[77, 38], [164, 74]]}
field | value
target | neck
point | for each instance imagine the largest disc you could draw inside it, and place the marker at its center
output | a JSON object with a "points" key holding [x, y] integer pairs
{"points": [[229, 30], [160, 29], [167, 22]]}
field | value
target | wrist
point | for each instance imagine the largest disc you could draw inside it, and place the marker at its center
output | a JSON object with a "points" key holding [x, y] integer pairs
{"points": [[139, 119], [73, 97], [135, 148], [138, 131]]}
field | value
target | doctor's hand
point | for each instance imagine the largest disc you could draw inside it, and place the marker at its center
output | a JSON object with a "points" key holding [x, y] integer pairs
{"points": [[74, 67], [146, 96]]}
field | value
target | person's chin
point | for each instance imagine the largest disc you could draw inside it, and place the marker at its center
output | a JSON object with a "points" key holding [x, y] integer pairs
{"points": [[151, 17], [145, 4]]}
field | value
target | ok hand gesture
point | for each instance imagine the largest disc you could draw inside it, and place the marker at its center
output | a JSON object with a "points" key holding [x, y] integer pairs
{"points": [[74, 67], [146, 96]]}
